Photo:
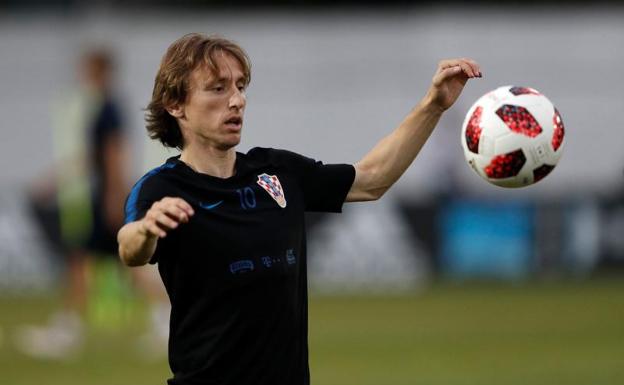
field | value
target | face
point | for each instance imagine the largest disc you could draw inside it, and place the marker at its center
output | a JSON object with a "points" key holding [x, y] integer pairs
{"points": [[213, 112], [96, 73]]}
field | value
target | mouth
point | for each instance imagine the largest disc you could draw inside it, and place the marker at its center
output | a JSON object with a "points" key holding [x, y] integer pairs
{"points": [[234, 123]]}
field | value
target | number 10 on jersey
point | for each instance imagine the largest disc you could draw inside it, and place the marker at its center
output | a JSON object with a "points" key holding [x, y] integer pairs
{"points": [[247, 198]]}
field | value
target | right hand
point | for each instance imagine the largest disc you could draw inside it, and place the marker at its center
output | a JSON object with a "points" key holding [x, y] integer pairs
{"points": [[165, 215], [449, 81]]}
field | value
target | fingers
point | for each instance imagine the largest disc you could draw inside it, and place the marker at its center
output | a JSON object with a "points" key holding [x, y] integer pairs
{"points": [[449, 81], [445, 74], [468, 66], [166, 215], [150, 227], [471, 66], [183, 205], [177, 208]]}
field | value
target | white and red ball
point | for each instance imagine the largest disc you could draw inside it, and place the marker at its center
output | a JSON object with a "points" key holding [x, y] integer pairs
{"points": [[513, 136]]}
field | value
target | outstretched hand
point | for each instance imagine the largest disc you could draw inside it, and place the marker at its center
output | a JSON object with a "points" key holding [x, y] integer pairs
{"points": [[449, 80], [165, 215]]}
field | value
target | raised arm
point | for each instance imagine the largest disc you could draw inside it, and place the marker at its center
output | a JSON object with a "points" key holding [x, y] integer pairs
{"points": [[137, 240], [388, 160]]}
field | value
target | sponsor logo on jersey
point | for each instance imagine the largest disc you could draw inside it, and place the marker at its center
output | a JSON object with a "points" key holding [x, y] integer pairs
{"points": [[267, 261], [243, 266], [272, 185], [290, 257]]}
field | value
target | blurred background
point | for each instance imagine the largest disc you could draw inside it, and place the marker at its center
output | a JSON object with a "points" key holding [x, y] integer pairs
{"points": [[446, 280]]}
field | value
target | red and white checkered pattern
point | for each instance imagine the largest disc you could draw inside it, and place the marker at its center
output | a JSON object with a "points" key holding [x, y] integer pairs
{"points": [[272, 185]]}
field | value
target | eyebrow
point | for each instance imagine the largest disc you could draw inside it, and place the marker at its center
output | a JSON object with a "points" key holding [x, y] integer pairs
{"points": [[225, 79], [213, 81]]}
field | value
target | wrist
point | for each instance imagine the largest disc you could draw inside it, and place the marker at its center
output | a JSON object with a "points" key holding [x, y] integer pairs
{"points": [[142, 230], [429, 105]]}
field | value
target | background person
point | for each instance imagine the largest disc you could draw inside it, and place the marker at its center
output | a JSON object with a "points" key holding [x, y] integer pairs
{"points": [[80, 204]]}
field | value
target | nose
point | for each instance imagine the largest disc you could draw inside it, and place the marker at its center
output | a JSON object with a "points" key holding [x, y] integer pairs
{"points": [[238, 99]]}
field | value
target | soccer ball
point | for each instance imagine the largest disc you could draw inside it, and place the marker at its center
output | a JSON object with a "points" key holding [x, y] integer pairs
{"points": [[513, 136]]}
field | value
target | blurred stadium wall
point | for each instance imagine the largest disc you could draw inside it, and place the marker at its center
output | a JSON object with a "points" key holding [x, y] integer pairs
{"points": [[329, 84]]}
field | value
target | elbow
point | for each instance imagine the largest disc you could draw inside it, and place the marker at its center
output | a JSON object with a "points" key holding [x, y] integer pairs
{"points": [[371, 194], [376, 193], [370, 184], [377, 185]]}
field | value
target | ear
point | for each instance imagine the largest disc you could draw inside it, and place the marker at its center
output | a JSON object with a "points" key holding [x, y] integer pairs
{"points": [[176, 110]]}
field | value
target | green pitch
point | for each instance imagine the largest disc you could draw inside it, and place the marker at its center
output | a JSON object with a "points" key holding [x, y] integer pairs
{"points": [[566, 333]]}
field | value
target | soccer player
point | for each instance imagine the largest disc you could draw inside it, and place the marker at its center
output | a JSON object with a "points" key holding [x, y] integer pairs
{"points": [[79, 204], [227, 228], [87, 187]]}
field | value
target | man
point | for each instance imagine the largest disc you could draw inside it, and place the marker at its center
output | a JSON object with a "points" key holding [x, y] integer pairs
{"points": [[79, 205], [86, 191], [227, 229]]}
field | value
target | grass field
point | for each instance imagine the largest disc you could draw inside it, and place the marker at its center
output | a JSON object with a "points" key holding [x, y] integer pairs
{"points": [[563, 333]]}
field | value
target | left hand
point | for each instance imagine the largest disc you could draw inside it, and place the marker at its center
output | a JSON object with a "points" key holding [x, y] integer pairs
{"points": [[449, 80]]}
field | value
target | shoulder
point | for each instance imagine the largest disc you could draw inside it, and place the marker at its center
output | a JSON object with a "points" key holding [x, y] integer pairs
{"points": [[157, 178], [278, 157], [109, 118], [151, 187]]}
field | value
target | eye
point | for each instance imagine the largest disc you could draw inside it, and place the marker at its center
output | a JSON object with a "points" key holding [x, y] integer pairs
{"points": [[215, 87], [242, 88]]}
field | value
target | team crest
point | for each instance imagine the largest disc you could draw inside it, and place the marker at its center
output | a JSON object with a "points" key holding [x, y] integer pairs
{"points": [[272, 185]]}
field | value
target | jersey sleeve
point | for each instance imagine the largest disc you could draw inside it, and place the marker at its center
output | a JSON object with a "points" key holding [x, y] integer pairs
{"points": [[141, 197], [325, 186], [149, 189], [109, 121]]}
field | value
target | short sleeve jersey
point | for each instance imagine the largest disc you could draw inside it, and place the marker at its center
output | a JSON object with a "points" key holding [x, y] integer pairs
{"points": [[236, 272], [106, 124]]}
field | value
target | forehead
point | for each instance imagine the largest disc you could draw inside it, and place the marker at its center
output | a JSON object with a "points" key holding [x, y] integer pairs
{"points": [[226, 66]]}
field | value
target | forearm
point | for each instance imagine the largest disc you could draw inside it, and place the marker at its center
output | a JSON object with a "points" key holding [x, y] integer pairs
{"points": [[136, 246], [115, 182], [387, 161]]}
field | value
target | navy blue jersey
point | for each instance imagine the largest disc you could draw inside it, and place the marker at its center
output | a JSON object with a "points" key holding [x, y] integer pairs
{"points": [[236, 273], [106, 125]]}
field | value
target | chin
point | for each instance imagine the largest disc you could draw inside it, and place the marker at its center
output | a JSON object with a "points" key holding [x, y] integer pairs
{"points": [[230, 143]]}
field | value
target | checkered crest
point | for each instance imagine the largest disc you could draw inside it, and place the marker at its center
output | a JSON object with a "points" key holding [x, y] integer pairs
{"points": [[272, 185]]}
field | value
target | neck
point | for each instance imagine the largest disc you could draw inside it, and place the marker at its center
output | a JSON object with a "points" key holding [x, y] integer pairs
{"points": [[211, 161]]}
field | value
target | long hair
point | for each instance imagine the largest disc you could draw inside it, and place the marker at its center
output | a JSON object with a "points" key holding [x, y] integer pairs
{"points": [[171, 85]]}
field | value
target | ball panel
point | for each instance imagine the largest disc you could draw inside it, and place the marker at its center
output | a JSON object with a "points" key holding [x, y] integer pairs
{"points": [[519, 120], [491, 124], [502, 93], [523, 91], [557, 138], [514, 182], [473, 130], [487, 146], [541, 172], [506, 165]]}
